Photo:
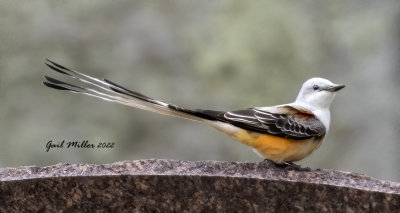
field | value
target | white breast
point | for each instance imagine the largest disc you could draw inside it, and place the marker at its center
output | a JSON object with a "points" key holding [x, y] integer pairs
{"points": [[323, 114]]}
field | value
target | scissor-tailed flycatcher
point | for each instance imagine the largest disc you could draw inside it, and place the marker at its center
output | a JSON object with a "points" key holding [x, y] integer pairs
{"points": [[283, 133]]}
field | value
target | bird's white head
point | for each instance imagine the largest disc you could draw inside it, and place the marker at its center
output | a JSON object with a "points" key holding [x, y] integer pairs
{"points": [[318, 93]]}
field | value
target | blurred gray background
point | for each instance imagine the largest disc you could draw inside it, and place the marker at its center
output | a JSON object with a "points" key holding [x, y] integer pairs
{"points": [[221, 55]]}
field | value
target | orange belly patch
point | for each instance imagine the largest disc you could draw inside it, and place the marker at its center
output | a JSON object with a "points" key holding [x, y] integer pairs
{"points": [[276, 148]]}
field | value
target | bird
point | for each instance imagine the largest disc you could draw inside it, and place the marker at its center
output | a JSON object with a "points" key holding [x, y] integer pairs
{"points": [[282, 134]]}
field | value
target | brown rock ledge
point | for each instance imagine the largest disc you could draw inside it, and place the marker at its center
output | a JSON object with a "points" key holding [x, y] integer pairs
{"points": [[183, 186]]}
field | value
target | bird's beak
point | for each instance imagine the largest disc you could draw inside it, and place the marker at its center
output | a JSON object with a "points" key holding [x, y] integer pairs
{"points": [[335, 88]]}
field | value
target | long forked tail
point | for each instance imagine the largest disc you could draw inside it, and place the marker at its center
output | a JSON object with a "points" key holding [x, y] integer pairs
{"points": [[109, 91]]}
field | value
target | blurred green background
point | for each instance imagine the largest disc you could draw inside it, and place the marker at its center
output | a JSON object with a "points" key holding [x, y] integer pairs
{"points": [[221, 55]]}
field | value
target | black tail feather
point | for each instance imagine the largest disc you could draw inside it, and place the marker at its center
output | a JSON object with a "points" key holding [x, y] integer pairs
{"points": [[57, 69], [122, 90], [55, 86], [136, 94], [104, 84], [58, 65], [58, 82], [110, 91], [205, 114]]}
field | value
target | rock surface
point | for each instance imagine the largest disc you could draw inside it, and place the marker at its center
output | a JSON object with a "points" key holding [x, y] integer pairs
{"points": [[182, 186]]}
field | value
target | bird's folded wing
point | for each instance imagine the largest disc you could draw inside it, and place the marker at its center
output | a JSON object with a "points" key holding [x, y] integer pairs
{"points": [[283, 121]]}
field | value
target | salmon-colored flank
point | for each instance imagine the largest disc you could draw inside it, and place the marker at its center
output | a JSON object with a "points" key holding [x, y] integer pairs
{"points": [[278, 149]]}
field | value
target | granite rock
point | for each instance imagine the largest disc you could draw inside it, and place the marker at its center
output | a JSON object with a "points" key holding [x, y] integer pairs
{"points": [[183, 186]]}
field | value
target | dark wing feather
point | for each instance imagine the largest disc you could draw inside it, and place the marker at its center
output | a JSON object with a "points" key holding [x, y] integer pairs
{"points": [[295, 125]]}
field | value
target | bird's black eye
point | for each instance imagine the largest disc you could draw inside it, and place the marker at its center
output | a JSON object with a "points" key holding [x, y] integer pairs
{"points": [[315, 87]]}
